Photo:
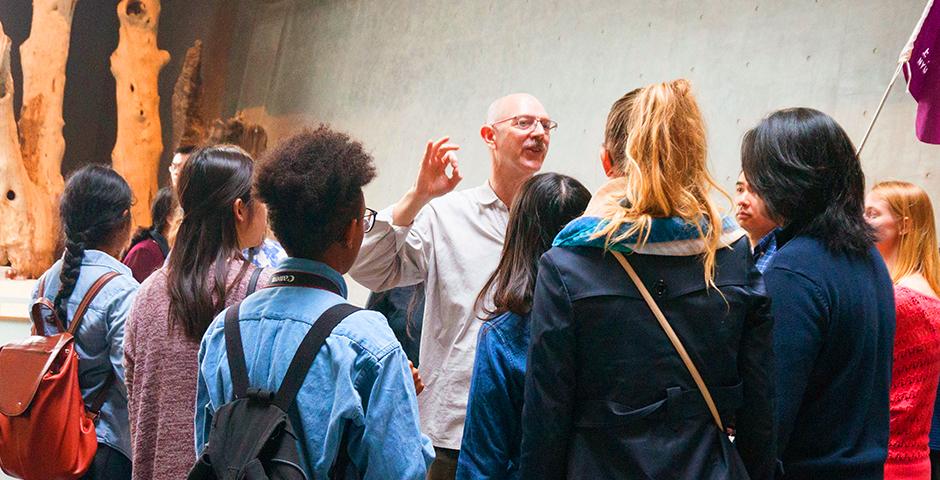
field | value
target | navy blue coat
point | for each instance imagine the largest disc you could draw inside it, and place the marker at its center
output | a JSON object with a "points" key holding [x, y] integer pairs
{"points": [[606, 394], [833, 338]]}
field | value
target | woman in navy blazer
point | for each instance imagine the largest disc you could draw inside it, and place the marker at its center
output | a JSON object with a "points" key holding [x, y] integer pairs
{"points": [[606, 394]]}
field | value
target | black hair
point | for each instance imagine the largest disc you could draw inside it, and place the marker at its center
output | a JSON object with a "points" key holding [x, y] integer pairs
{"points": [[164, 204], [210, 182], [803, 165], [184, 149], [544, 205], [94, 208], [312, 184]]}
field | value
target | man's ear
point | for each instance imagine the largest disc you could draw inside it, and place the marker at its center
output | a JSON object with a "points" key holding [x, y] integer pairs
{"points": [[488, 133], [349, 236], [607, 163]]}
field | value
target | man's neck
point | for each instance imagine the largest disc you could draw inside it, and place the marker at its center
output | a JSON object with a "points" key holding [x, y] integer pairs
{"points": [[756, 238], [506, 186]]}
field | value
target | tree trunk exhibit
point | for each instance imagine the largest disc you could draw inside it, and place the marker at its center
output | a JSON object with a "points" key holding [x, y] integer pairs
{"points": [[188, 127], [135, 65], [31, 162]]}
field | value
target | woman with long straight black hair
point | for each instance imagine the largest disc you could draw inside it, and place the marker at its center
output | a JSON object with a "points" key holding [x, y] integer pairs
{"points": [[492, 432], [95, 215], [206, 272]]}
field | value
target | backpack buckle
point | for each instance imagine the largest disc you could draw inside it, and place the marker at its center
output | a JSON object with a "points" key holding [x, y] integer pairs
{"points": [[260, 395]]}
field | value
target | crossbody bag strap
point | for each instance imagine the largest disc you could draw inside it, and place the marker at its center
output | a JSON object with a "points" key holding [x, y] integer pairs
{"points": [[101, 396], [672, 337]]}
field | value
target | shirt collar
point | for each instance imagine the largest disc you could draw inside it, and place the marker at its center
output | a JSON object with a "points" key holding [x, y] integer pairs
{"points": [[764, 243], [316, 268], [99, 258], [485, 194]]}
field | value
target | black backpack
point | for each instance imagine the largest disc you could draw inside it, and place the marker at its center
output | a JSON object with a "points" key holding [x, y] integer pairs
{"points": [[252, 437]]}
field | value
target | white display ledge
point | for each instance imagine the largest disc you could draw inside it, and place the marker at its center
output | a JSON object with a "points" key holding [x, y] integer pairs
{"points": [[15, 296]]}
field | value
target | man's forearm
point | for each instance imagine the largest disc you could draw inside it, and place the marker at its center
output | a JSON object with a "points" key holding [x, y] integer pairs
{"points": [[405, 211]]}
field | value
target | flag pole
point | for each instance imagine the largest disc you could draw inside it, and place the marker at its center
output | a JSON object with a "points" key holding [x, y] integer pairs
{"points": [[897, 72]]}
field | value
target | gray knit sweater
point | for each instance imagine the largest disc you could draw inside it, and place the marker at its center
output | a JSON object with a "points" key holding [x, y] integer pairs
{"points": [[161, 367]]}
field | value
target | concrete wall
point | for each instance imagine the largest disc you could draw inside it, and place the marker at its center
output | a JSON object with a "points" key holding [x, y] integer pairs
{"points": [[396, 73]]}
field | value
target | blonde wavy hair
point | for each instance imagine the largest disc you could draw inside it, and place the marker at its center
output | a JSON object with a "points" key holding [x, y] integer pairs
{"points": [[664, 167], [917, 248]]}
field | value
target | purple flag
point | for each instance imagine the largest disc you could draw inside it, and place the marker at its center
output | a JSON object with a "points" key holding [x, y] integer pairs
{"points": [[923, 77]]}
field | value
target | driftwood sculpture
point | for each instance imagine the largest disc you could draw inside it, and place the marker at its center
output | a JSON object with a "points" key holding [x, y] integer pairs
{"points": [[251, 137], [31, 162], [188, 126], [135, 65]]}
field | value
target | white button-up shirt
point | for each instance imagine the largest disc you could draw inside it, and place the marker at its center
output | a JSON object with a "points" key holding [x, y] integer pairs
{"points": [[453, 246]]}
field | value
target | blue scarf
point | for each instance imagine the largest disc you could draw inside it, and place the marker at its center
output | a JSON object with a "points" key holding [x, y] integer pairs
{"points": [[671, 236]]}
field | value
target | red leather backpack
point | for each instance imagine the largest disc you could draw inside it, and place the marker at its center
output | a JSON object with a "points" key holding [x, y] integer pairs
{"points": [[45, 430]]}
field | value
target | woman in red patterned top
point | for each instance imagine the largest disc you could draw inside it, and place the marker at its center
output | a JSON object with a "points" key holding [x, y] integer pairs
{"points": [[907, 239]]}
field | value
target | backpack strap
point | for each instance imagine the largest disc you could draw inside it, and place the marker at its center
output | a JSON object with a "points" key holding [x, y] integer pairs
{"points": [[35, 312], [86, 300], [307, 352], [235, 353], [253, 281], [101, 396]]}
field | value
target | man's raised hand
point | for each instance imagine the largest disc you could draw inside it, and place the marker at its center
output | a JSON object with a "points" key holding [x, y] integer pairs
{"points": [[433, 179]]}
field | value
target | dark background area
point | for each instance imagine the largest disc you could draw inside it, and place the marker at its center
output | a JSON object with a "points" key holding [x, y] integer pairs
{"points": [[89, 108]]}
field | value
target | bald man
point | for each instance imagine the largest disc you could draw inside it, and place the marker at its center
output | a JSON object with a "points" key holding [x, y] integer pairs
{"points": [[452, 241]]}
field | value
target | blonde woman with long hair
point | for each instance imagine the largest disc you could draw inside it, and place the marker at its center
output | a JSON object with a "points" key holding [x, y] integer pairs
{"points": [[607, 394], [903, 219]]}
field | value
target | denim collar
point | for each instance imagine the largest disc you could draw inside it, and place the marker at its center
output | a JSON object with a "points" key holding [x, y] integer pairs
{"points": [[99, 258], [316, 268]]}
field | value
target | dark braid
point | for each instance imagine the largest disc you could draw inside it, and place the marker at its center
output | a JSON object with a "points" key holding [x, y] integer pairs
{"points": [[71, 268], [95, 206]]}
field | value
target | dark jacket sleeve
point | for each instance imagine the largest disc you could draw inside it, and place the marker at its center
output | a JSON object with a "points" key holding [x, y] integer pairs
{"points": [[550, 379], [756, 436], [800, 318]]}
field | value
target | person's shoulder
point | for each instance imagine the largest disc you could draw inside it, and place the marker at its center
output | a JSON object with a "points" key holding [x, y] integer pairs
{"points": [[460, 200], [369, 330], [802, 253], [502, 328], [156, 282], [153, 290]]}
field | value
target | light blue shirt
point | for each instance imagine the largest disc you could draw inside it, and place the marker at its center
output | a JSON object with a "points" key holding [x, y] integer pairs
{"points": [[359, 384], [99, 340]]}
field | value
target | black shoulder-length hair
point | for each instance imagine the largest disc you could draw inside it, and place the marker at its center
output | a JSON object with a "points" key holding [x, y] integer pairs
{"points": [[164, 203], [802, 164], [544, 205], [210, 182]]}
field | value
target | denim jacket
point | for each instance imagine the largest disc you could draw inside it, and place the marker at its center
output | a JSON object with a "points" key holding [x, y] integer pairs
{"points": [[359, 384], [99, 340], [492, 433]]}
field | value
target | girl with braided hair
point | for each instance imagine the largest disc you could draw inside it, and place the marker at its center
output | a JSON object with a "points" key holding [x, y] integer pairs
{"points": [[205, 273], [95, 216]]}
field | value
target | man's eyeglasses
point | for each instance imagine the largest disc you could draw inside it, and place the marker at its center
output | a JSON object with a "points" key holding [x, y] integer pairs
{"points": [[368, 220], [527, 123]]}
